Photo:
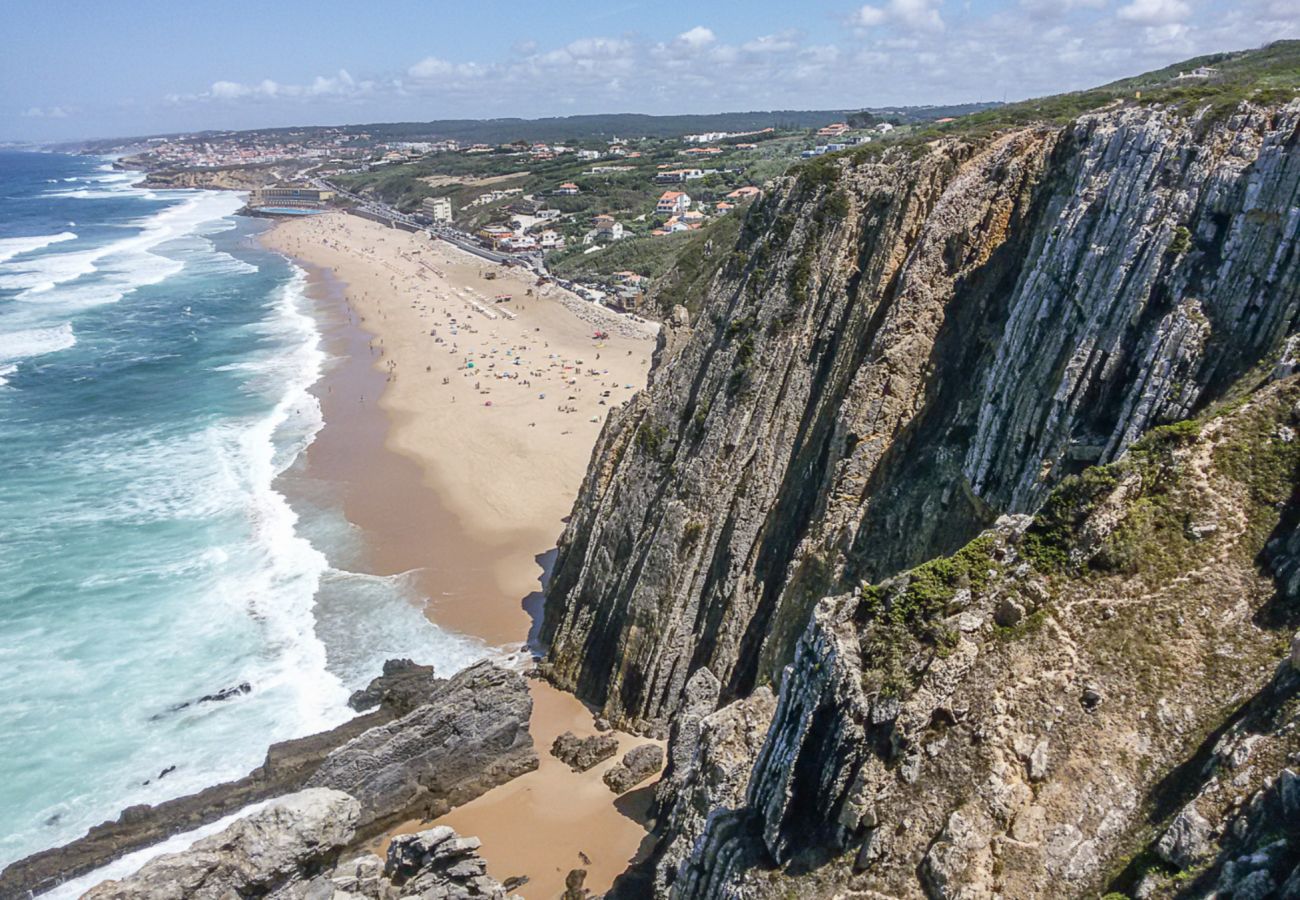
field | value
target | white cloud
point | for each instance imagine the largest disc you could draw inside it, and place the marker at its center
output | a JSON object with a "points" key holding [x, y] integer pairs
{"points": [[1059, 7], [430, 67], [869, 17], [1156, 12], [894, 52], [45, 112], [771, 43], [915, 15], [697, 37], [338, 86], [229, 90]]}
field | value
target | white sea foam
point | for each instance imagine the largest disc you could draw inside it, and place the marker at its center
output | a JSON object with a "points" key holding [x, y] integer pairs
{"points": [[282, 591], [11, 247], [128, 865], [122, 265], [19, 345]]}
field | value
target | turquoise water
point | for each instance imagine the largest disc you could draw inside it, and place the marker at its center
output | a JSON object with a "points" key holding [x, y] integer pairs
{"points": [[154, 373]]}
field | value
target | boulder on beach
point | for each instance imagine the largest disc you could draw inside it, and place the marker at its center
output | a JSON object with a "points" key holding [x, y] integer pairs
{"points": [[637, 765], [580, 754]]}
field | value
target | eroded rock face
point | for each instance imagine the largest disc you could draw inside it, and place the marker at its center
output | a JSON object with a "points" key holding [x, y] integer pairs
{"points": [[272, 849], [921, 748], [901, 351], [709, 782]]}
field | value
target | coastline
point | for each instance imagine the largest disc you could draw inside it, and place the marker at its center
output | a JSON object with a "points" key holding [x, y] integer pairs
{"points": [[467, 496]]}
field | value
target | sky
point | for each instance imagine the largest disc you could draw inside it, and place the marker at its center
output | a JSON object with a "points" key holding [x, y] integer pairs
{"points": [[73, 69]]}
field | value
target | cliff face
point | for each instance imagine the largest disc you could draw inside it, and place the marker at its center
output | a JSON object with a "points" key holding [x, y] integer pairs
{"points": [[901, 349], [1103, 698]]}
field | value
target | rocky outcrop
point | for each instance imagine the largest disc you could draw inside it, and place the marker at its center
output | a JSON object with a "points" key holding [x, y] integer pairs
{"points": [[440, 865], [403, 686], [636, 766], [901, 348], [704, 794], [440, 755], [580, 754], [289, 851], [416, 755], [284, 844], [1142, 708]]}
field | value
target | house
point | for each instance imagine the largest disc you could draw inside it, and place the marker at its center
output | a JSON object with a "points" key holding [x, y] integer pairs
{"points": [[607, 229], [722, 207], [628, 277], [517, 242], [676, 176], [589, 154], [833, 130], [495, 235], [673, 203], [835, 148], [568, 189], [1200, 72], [550, 240], [692, 218], [884, 128], [748, 192], [673, 225]]}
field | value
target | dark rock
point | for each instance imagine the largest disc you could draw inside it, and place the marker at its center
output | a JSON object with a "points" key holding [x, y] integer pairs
{"points": [[637, 765], [403, 686], [229, 693], [580, 754], [573, 889]]}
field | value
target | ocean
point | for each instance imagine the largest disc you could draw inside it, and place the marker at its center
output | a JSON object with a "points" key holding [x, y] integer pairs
{"points": [[155, 366]]}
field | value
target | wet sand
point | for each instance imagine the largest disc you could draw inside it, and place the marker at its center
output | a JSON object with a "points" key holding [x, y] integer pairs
{"points": [[468, 496]]}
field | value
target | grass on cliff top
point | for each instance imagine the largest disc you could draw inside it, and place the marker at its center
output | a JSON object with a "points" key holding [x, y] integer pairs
{"points": [[901, 619], [1156, 538], [1270, 74]]}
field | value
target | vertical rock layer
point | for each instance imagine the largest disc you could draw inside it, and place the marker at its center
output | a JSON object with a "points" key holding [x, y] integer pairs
{"points": [[899, 350]]}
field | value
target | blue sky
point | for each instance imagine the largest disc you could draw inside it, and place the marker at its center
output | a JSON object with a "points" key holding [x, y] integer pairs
{"points": [[92, 69]]}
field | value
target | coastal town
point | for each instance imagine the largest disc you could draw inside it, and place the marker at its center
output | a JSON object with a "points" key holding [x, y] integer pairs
{"points": [[605, 216]]}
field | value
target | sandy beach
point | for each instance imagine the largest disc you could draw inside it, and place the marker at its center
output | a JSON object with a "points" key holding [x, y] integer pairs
{"points": [[460, 428]]}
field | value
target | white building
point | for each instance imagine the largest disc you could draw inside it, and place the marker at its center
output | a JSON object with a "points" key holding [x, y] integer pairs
{"points": [[673, 203], [437, 208]]}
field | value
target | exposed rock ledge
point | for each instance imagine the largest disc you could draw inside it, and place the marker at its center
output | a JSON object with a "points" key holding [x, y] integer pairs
{"points": [[290, 851], [405, 760]]}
